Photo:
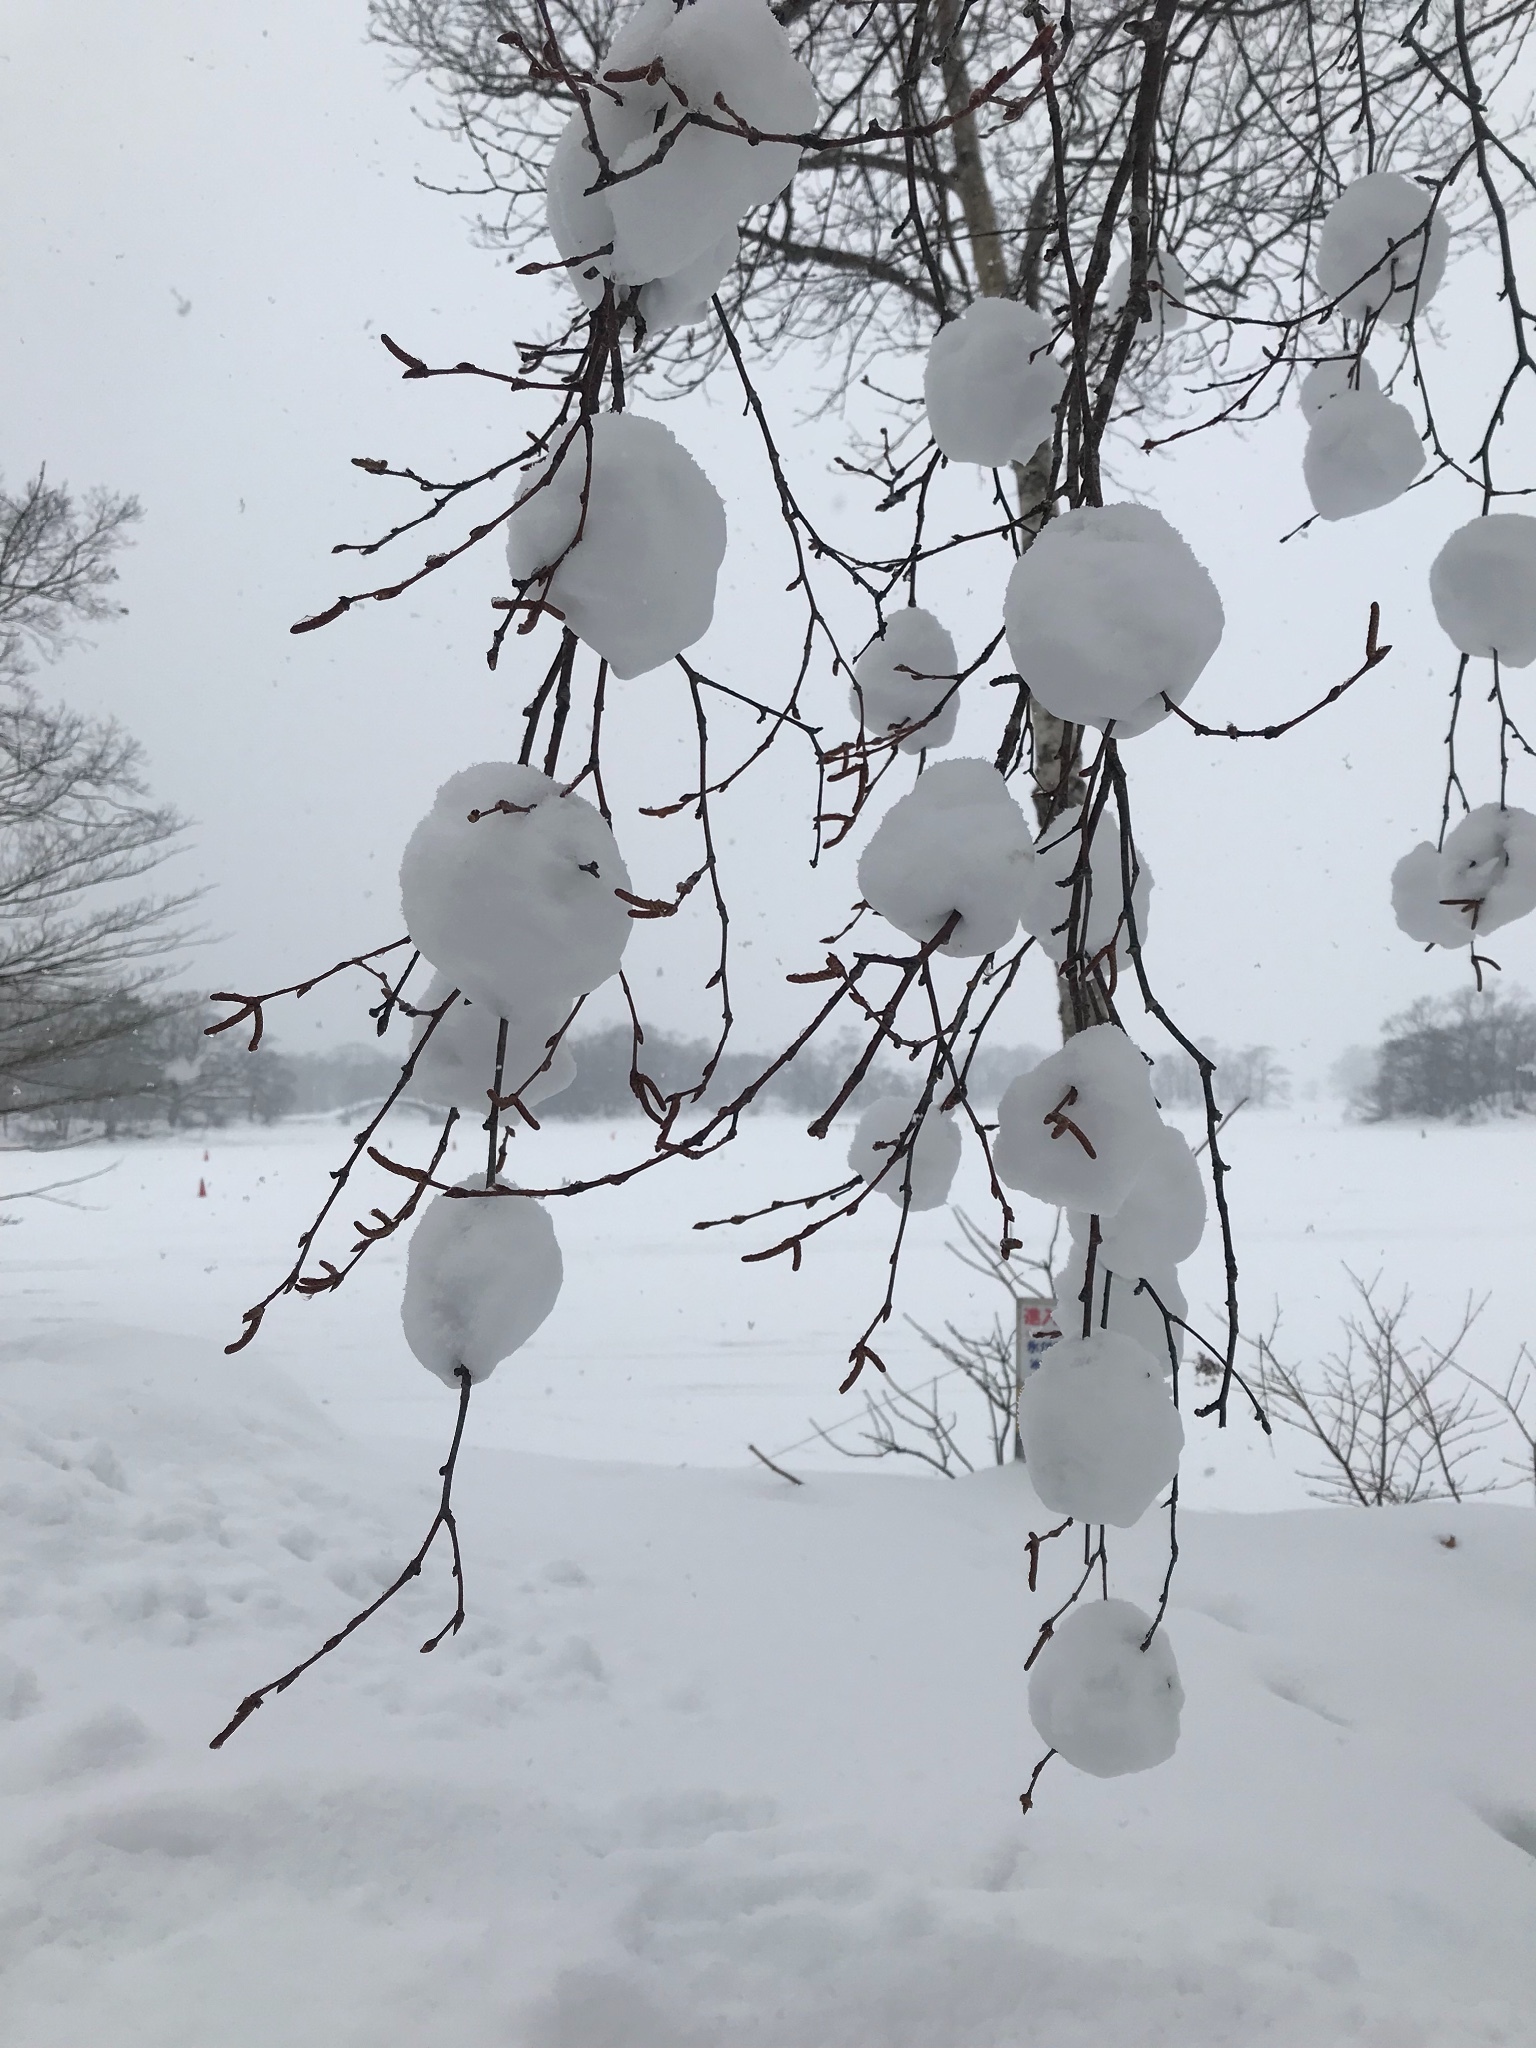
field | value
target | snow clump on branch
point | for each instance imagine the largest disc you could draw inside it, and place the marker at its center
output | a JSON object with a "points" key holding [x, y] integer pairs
{"points": [[632, 537], [1363, 451], [1483, 877], [1329, 380], [1099, 1699], [1107, 613], [1379, 251], [1121, 1302], [508, 888], [930, 1161], [1079, 1128], [671, 227], [957, 842], [457, 1064], [1049, 891], [1483, 583], [482, 1273], [903, 676], [1162, 1220], [1101, 1435], [991, 384], [1166, 281]]}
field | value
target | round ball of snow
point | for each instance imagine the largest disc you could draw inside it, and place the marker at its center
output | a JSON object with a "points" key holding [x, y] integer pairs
{"points": [[1166, 281], [639, 584], [1162, 1219], [1379, 252], [1363, 451], [1050, 888], [1099, 1699], [957, 842], [482, 1273], [1079, 1128], [457, 1064], [507, 886], [1126, 1303], [1483, 582], [902, 676], [1109, 611], [1100, 1432], [1483, 877], [930, 1162], [991, 384], [1327, 381]]}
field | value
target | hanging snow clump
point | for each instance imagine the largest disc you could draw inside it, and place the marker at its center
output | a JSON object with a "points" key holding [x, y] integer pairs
{"points": [[1049, 889], [991, 384], [1327, 381], [931, 1162], [1166, 281], [457, 1064], [957, 842], [634, 546], [903, 676], [1483, 877], [1099, 1699], [508, 889], [1079, 1128], [1125, 1303], [482, 1273], [1363, 451], [671, 227], [1379, 251], [1162, 1220], [1101, 1435], [1108, 612], [1483, 583]]}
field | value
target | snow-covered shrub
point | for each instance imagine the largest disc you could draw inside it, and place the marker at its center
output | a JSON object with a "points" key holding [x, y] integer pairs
{"points": [[903, 676], [671, 227], [1049, 890], [482, 1273], [957, 842], [991, 384], [1328, 380], [1483, 877], [1166, 282], [1363, 451], [1101, 1435], [929, 1163], [1079, 1128], [1483, 583], [457, 1063], [508, 887], [1109, 612], [1099, 1699], [634, 534], [1379, 251], [1162, 1219]]}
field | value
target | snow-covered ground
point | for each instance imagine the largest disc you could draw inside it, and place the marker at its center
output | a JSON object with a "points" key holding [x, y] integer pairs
{"points": [[717, 1760]]}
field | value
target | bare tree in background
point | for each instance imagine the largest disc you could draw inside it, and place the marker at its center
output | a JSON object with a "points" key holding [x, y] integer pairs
{"points": [[79, 949]]}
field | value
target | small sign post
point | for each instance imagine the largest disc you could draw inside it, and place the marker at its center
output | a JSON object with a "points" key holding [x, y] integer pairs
{"points": [[1034, 1332]]}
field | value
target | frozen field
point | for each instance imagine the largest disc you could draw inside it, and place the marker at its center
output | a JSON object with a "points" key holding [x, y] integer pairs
{"points": [[716, 1762]]}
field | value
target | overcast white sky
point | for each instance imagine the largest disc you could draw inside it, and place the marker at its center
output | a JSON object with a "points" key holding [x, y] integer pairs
{"points": [[209, 217]]}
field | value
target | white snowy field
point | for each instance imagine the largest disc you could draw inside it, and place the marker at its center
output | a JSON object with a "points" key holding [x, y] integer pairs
{"points": [[717, 1762]]}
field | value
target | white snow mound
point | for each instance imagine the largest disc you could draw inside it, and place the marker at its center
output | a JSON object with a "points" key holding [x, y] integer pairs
{"points": [[902, 676], [931, 1161], [1363, 451], [958, 841], [518, 908], [1099, 1699], [1483, 582], [671, 227], [991, 384], [1080, 1127], [1100, 1432], [1358, 265], [457, 1064], [1483, 877], [481, 1274], [639, 584], [1107, 612], [1049, 887], [1166, 281], [1121, 1302], [1329, 380], [1162, 1219]]}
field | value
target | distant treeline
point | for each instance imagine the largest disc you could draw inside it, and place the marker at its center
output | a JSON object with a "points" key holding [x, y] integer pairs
{"points": [[1463, 1055]]}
